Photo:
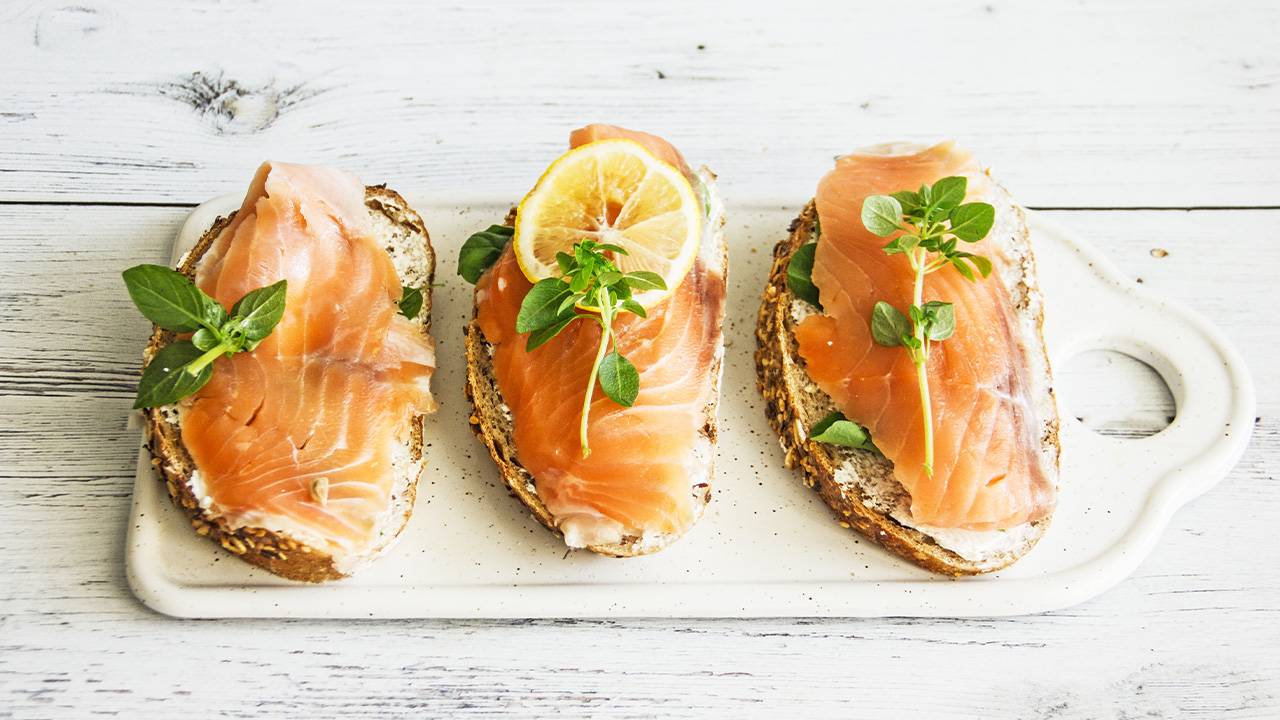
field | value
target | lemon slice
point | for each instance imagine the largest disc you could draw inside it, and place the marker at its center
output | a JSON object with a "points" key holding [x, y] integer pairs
{"points": [[611, 191]]}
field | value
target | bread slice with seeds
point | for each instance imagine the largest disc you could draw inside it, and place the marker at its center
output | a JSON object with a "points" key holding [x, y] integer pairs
{"points": [[404, 236], [492, 423], [859, 485]]}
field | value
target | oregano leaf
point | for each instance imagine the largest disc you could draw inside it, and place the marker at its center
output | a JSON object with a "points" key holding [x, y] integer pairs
{"points": [[972, 221], [940, 320], [881, 214], [619, 379], [949, 192], [835, 429], [542, 335], [482, 250], [645, 280], [541, 306], [410, 302], [800, 274], [888, 325]]}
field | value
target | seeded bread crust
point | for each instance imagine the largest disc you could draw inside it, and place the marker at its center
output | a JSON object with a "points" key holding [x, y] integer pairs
{"points": [[492, 425], [276, 552], [793, 404]]}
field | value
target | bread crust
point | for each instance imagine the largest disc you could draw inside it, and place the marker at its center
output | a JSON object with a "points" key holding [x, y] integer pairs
{"points": [[491, 423], [276, 552], [780, 378]]}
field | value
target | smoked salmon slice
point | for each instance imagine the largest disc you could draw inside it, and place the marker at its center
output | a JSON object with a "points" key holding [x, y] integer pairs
{"points": [[303, 434], [660, 148], [989, 472], [646, 460]]}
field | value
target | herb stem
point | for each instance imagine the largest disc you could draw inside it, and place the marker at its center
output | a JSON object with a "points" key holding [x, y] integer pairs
{"points": [[606, 322], [212, 354], [934, 219], [921, 358]]}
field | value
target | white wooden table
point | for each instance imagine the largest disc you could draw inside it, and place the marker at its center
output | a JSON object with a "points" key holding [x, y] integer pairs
{"points": [[1143, 125]]}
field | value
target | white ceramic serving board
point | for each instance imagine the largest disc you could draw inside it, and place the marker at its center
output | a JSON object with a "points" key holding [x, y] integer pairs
{"points": [[768, 546]]}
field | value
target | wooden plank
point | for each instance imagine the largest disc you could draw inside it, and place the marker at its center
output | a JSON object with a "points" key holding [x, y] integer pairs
{"points": [[1091, 104], [1192, 634]]}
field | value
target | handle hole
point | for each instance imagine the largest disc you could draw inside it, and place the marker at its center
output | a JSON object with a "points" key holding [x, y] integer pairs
{"points": [[1115, 395]]}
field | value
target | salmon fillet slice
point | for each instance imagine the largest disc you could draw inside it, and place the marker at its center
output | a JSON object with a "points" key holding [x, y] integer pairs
{"points": [[659, 147], [988, 470], [300, 434], [646, 459]]}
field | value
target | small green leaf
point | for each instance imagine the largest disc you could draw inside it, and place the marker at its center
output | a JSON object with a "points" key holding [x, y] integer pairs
{"points": [[962, 267], [634, 307], [983, 264], [609, 278], [940, 320], [580, 281], [570, 301], [835, 429], [259, 311], [909, 201], [901, 244], [972, 221], [165, 380], [170, 300], [610, 247], [410, 302], [542, 335], [619, 379], [482, 250], [540, 308], [881, 214], [888, 325], [948, 193], [800, 274], [205, 339], [565, 261], [645, 280]]}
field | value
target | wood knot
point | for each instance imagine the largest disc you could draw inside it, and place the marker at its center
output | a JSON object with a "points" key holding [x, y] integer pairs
{"points": [[233, 108]]}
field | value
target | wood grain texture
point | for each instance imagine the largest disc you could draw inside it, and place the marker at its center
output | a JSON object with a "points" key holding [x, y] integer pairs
{"points": [[1076, 104], [1192, 634], [1080, 104]]}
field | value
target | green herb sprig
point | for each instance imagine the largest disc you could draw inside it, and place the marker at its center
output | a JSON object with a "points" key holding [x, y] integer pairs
{"points": [[592, 288], [171, 301], [933, 221]]}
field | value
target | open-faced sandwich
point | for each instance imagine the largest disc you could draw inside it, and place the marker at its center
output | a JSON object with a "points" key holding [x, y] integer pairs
{"points": [[594, 356], [901, 359], [289, 372]]}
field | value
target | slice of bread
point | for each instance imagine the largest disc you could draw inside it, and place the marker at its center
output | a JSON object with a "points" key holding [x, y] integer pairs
{"points": [[492, 423], [859, 485], [405, 239]]}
